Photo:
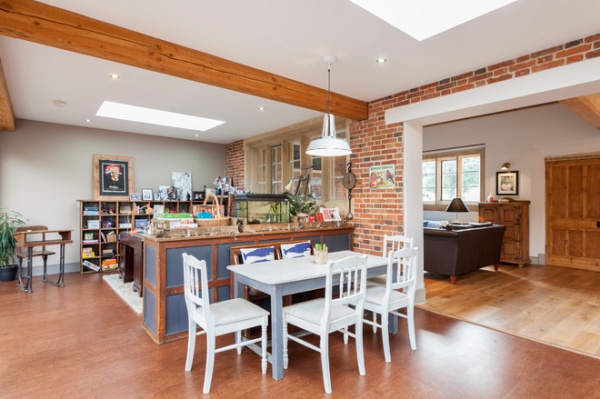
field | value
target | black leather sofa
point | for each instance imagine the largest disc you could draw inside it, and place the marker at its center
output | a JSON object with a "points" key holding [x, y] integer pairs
{"points": [[457, 250]]}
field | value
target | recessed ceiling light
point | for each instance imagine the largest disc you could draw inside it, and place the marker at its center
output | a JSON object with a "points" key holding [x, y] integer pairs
{"points": [[261, 108], [88, 121], [114, 76], [59, 103], [134, 113], [426, 18], [381, 60]]}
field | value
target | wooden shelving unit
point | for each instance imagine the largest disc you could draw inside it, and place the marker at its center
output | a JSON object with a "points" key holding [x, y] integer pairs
{"points": [[101, 223]]}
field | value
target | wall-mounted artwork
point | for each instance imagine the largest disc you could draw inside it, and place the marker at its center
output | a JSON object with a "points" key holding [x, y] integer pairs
{"points": [[507, 183], [113, 177], [382, 177]]}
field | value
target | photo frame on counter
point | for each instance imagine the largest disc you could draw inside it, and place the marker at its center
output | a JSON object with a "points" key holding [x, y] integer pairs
{"points": [[507, 183], [112, 177], [147, 194]]}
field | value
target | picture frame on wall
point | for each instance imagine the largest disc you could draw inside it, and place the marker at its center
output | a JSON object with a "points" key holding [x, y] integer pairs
{"points": [[147, 194], [382, 177], [112, 177], [507, 183]]}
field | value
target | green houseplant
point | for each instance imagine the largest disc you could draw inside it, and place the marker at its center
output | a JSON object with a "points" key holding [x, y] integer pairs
{"points": [[301, 204], [9, 221]]}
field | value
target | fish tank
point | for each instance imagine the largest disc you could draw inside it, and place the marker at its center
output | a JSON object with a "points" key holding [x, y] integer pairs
{"points": [[262, 208]]}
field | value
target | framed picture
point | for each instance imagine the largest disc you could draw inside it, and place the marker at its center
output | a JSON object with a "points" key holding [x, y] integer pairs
{"points": [[382, 177], [507, 183], [135, 197], [197, 195], [112, 177], [182, 184], [147, 194], [157, 196]]}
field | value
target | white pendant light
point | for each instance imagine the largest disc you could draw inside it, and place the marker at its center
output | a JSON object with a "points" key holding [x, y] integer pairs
{"points": [[328, 145]]}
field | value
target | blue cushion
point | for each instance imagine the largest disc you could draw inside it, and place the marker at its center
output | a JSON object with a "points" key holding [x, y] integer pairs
{"points": [[295, 250], [254, 255]]}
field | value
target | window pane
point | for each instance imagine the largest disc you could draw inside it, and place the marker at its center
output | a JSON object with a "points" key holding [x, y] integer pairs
{"points": [[276, 170], [428, 181], [448, 180], [261, 170], [470, 183]]}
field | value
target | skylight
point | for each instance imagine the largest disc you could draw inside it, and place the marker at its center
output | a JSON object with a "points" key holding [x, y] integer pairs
{"points": [[423, 19], [134, 113]]}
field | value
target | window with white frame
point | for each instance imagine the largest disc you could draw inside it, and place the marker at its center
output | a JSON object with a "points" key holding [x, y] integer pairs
{"points": [[450, 174]]}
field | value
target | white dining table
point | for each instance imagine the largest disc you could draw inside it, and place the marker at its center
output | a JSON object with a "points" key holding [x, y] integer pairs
{"points": [[291, 276]]}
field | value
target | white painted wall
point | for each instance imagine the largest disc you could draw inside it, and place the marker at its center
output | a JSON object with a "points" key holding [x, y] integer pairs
{"points": [[523, 138], [46, 168]]}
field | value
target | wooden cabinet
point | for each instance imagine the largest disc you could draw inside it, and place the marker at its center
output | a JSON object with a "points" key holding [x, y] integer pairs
{"points": [[102, 222], [515, 216]]}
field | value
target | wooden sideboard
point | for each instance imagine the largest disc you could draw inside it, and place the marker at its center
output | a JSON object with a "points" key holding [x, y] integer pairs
{"points": [[515, 216]]}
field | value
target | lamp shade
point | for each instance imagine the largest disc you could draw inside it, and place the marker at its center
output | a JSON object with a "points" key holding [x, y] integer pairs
{"points": [[457, 205], [328, 145]]}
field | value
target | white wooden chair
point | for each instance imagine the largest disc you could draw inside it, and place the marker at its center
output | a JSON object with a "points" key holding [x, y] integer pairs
{"points": [[398, 293], [346, 277], [231, 316], [391, 243]]}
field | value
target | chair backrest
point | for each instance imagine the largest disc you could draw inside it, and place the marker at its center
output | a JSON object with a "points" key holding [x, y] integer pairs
{"points": [[347, 278], [41, 229], [296, 249], [195, 286], [396, 243], [236, 257], [402, 270]]}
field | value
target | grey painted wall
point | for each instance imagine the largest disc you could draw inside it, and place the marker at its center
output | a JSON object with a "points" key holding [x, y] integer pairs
{"points": [[46, 168]]}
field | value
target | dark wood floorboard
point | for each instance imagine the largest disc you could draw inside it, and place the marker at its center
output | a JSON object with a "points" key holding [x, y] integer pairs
{"points": [[84, 341]]}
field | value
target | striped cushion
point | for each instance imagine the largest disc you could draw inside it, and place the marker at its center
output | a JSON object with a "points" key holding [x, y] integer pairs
{"points": [[295, 250], [254, 255]]}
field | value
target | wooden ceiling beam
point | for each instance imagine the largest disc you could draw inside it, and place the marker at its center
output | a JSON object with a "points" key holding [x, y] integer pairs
{"points": [[52, 26], [586, 107], [7, 114]]}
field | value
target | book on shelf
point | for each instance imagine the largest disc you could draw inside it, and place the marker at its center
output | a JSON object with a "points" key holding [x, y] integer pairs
{"points": [[90, 241], [91, 265], [103, 236], [109, 264], [88, 254]]}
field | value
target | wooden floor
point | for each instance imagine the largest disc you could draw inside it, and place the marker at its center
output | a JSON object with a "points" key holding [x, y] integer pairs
{"points": [[550, 304], [83, 341]]}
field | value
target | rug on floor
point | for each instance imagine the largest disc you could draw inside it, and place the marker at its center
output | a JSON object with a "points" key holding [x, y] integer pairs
{"points": [[125, 291]]}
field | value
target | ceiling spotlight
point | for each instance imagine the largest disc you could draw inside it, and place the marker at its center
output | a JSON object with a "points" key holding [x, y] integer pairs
{"points": [[381, 60], [59, 103], [114, 76], [88, 121], [261, 108]]}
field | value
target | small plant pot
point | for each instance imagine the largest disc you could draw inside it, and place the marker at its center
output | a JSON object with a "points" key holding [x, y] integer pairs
{"points": [[8, 273], [320, 256]]}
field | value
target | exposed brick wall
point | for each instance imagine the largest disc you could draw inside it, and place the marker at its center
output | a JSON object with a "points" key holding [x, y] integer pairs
{"points": [[234, 163], [380, 212], [373, 143]]}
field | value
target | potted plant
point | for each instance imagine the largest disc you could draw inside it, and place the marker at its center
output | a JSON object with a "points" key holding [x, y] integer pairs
{"points": [[9, 221], [320, 253], [301, 205]]}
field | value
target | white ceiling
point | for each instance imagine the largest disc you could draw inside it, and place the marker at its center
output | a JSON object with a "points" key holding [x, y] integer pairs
{"points": [[287, 38]]}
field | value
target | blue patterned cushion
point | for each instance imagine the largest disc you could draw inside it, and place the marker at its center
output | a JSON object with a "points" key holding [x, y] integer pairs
{"points": [[254, 255], [295, 250]]}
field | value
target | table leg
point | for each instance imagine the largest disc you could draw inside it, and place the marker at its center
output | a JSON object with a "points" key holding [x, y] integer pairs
{"points": [[277, 332], [61, 272]]}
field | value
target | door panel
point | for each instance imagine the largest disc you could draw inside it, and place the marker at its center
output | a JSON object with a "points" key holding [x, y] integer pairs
{"points": [[573, 213]]}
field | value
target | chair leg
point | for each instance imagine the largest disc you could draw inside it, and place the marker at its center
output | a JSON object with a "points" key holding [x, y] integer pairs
{"points": [[410, 318], [385, 337], [360, 354], [263, 345], [346, 336], [374, 322], [20, 272], [325, 362], [210, 361], [191, 345], [285, 344], [238, 339]]}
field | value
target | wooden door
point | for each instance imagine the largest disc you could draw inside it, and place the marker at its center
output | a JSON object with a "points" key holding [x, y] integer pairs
{"points": [[573, 212]]}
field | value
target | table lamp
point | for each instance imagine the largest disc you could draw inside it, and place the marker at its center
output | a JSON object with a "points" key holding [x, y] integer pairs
{"points": [[457, 206]]}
